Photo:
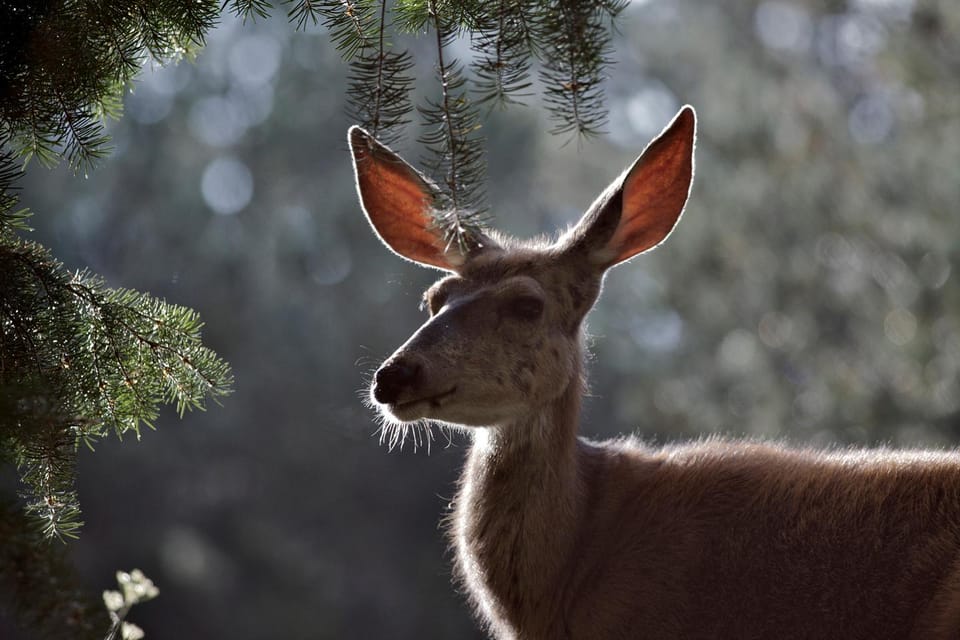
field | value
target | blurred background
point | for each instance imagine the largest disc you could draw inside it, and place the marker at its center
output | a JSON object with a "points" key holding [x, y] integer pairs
{"points": [[808, 294]]}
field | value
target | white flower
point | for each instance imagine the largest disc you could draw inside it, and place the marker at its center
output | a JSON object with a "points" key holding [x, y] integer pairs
{"points": [[113, 600], [136, 586], [130, 631]]}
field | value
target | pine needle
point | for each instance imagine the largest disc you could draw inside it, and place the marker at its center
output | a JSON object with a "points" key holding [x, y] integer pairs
{"points": [[456, 148]]}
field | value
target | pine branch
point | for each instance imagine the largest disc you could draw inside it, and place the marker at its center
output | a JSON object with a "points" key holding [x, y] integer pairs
{"points": [[379, 83], [64, 66], [504, 46], [117, 41], [83, 140], [457, 149], [304, 12], [78, 360], [350, 23], [47, 459], [417, 16], [576, 46], [12, 220], [251, 9], [379, 86], [413, 16]]}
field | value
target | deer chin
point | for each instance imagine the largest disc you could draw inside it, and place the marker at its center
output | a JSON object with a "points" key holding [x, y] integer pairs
{"points": [[419, 408], [478, 415], [452, 410]]}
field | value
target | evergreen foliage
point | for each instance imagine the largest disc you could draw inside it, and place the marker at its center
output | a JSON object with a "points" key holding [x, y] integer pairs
{"points": [[577, 48], [77, 359], [503, 43], [64, 66], [452, 126], [380, 82]]}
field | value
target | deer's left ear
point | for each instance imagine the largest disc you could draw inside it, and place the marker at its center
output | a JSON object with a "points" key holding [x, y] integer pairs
{"points": [[640, 208], [399, 202]]}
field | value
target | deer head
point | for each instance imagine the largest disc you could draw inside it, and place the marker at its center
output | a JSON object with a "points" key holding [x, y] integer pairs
{"points": [[503, 340]]}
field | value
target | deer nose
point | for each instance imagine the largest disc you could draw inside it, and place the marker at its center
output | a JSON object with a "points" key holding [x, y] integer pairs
{"points": [[392, 378]]}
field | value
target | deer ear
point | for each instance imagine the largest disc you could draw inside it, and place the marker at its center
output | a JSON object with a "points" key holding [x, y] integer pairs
{"points": [[398, 202], [640, 208]]}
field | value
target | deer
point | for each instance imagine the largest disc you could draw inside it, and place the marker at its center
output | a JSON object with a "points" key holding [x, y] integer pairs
{"points": [[558, 537]]}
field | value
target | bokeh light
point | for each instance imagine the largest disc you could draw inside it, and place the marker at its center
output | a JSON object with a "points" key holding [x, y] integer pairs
{"points": [[227, 185]]}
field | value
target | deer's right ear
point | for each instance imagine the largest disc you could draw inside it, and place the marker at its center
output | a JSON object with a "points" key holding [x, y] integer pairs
{"points": [[640, 208], [398, 202]]}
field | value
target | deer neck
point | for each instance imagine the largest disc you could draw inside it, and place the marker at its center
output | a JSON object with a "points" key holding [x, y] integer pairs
{"points": [[516, 515]]}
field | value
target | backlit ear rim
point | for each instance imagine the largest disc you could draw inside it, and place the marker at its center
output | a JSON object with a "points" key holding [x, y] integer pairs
{"points": [[656, 189], [639, 209], [398, 203]]}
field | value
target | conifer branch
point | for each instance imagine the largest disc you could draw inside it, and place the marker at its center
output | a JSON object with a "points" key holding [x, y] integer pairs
{"points": [[349, 23], [381, 53], [576, 46], [47, 461], [457, 151], [99, 360], [448, 82], [379, 94], [503, 44], [83, 139], [11, 219], [379, 85], [251, 9], [65, 65]]}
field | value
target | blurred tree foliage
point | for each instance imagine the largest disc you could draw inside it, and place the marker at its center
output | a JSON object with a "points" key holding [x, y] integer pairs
{"points": [[815, 296]]}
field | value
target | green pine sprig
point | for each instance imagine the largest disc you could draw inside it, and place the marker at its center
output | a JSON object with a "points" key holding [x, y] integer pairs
{"points": [[452, 138], [78, 361], [65, 65], [351, 24], [250, 9], [12, 219], [576, 53], [504, 44], [380, 83]]}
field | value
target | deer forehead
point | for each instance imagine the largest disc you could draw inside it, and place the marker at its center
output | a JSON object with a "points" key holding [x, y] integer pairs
{"points": [[563, 288], [458, 286]]}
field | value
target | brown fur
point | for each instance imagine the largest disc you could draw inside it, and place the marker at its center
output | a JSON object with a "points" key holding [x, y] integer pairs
{"points": [[557, 537]]}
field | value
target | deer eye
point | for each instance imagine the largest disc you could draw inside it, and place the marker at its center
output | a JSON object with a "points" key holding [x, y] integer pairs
{"points": [[527, 308]]}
